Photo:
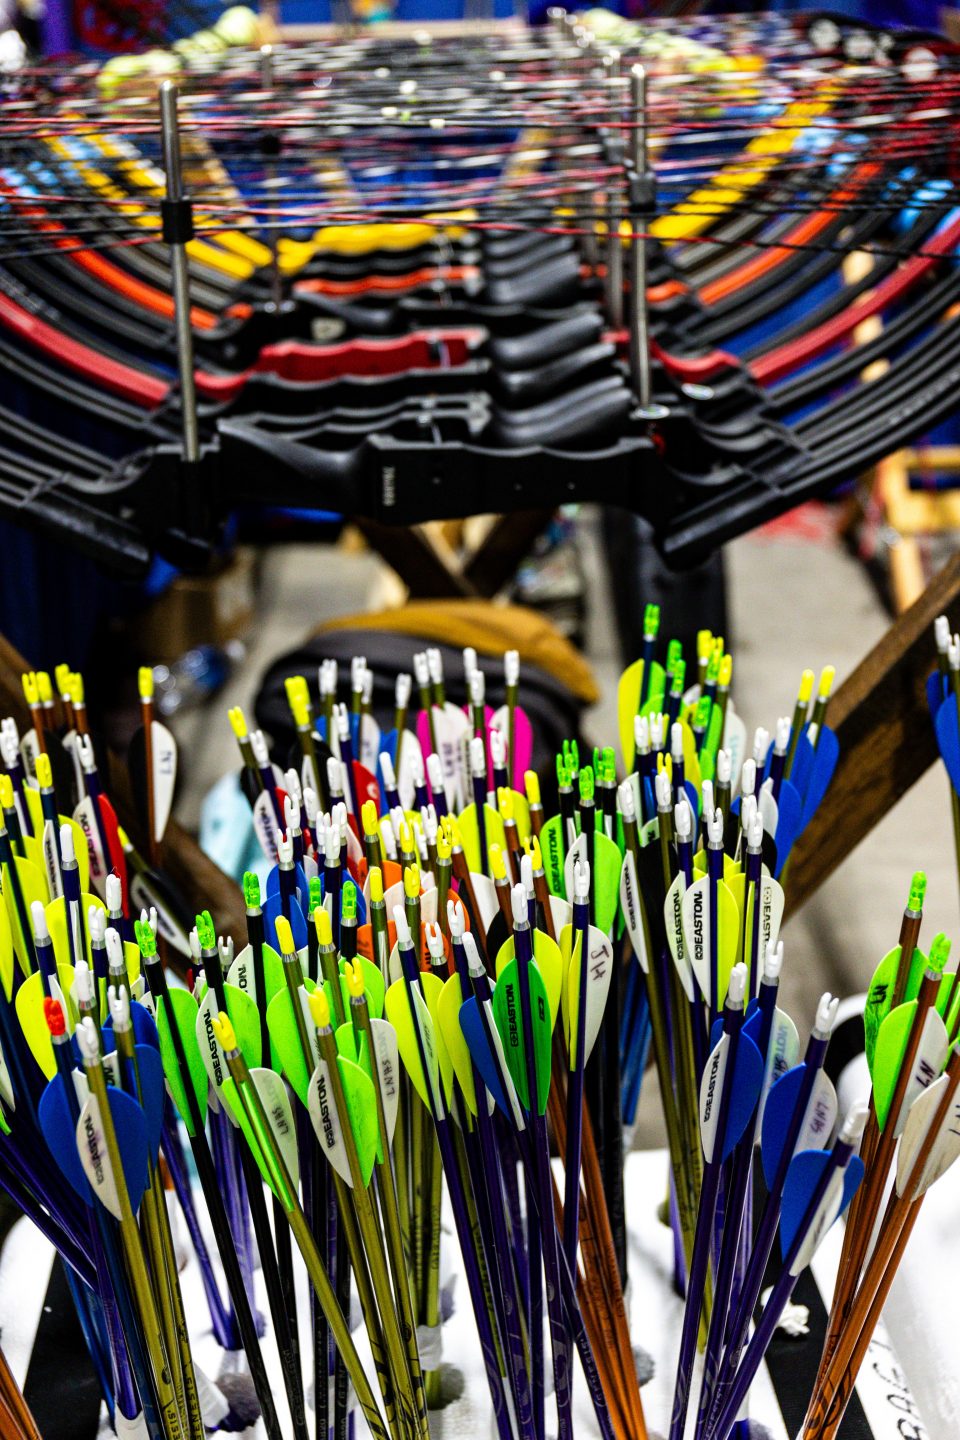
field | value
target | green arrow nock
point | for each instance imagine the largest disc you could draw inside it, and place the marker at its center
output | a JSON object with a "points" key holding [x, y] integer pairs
{"points": [[674, 655], [918, 889], [586, 783], [563, 773], [348, 904], [206, 933], [146, 939], [701, 718], [713, 669], [251, 890], [608, 766], [939, 953], [651, 622], [315, 894], [679, 677]]}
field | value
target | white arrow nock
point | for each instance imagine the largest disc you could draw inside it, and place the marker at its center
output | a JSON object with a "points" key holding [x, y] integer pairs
{"points": [[581, 881], [641, 734], [113, 942], [498, 749], [401, 690], [518, 902], [826, 1016], [88, 1041], [114, 894], [664, 792], [478, 760], [96, 925], [421, 669], [724, 768], [626, 802], [41, 931], [761, 743], [511, 667], [119, 1002], [474, 963], [737, 987], [748, 778], [259, 747], [941, 633], [387, 770], [772, 962], [683, 820], [715, 829], [435, 665], [478, 688], [404, 939], [853, 1125], [434, 941], [456, 921], [782, 736]]}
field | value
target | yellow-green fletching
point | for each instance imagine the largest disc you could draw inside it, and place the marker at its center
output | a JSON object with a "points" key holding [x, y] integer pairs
{"points": [[552, 849], [892, 1039], [881, 992], [570, 994], [349, 1044], [56, 913], [34, 886], [629, 690], [245, 1019], [396, 1007], [362, 1112], [448, 1020], [231, 1097], [29, 1005], [507, 1013], [469, 827], [6, 952], [658, 689], [373, 984], [607, 864], [285, 1041], [549, 962], [183, 1008]]}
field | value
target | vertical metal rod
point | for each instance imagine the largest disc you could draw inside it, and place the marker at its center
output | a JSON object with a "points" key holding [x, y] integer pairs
{"points": [[276, 283], [613, 285], [170, 136], [639, 319]]}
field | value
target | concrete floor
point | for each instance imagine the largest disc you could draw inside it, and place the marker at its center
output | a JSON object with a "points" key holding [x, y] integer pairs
{"points": [[794, 602]]}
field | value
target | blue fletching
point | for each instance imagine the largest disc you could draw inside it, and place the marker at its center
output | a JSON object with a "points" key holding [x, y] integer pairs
{"points": [[388, 746], [649, 796], [150, 1067], [355, 732], [853, 1175], [938, 687], [692, 797], [130, 1125], [301, 891], [948, 739], [320, 726], [144, 1028], [788, 822], [802, 763], [60, 1133], [825, 759], [803, 1177], [777, 1115], [471, 1023], [298, 924], [747, 1079]]}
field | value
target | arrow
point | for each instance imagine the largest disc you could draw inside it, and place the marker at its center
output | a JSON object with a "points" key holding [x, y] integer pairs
{"points": [[728, 1096], [819, 1186]]}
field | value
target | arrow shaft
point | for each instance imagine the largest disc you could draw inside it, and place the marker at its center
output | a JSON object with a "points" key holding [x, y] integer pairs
{"points": [[226, 1248]]}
